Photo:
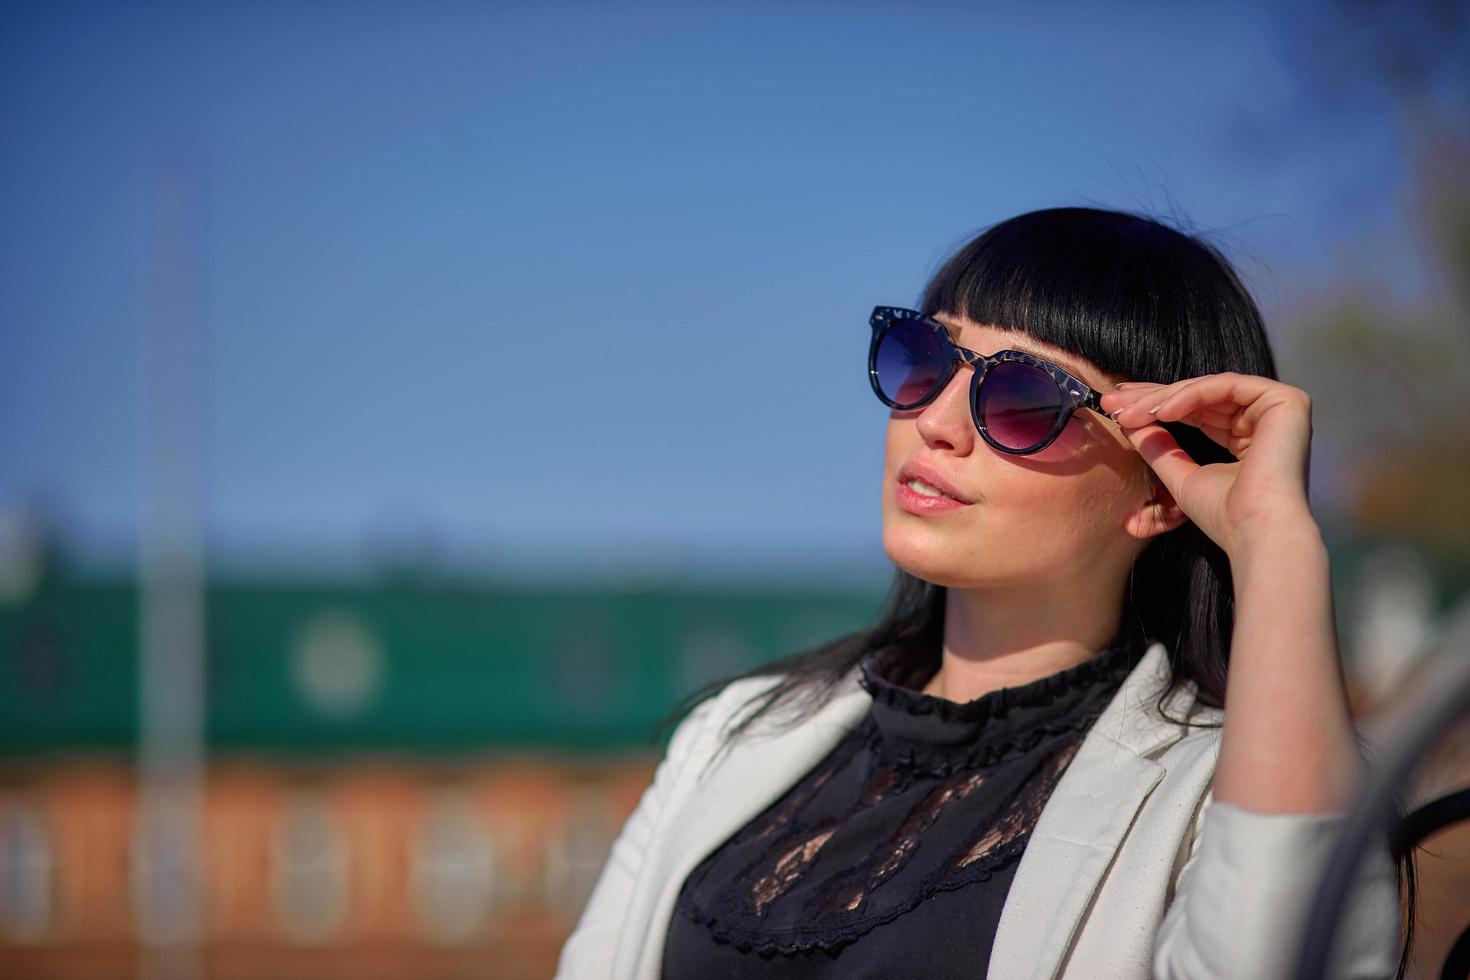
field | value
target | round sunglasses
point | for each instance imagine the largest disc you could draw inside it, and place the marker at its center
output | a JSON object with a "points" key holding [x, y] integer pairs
{"points": [[1020, 402]]}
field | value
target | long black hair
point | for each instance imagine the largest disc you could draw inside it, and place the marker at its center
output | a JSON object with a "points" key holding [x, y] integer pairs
{"points": [[1137, 298]]}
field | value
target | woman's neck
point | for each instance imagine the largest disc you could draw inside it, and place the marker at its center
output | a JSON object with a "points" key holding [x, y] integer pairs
{"points": [[997, 638]]}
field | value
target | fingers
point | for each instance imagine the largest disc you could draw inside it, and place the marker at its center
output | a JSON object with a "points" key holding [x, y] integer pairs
{"points": [[1211, 419], [1116, 403], [1216, 399], [1210, 416], [1237, 411], [1240, 390], [1162, 453]]}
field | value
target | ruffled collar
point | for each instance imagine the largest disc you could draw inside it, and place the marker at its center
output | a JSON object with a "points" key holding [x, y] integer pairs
{"points": [[923, 729]]}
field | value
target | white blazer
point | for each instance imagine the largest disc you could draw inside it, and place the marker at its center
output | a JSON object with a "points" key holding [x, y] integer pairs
{"points": [[1132, 869]]}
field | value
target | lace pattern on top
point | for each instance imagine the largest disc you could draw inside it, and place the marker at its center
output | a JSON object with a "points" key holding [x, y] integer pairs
{"points": [[924, 796]]}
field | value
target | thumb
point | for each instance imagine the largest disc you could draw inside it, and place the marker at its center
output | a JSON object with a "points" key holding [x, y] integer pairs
{"points": [[1162, 453]]}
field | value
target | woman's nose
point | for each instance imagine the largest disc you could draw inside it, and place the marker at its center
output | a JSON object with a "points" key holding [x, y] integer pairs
{"points": [[947, 418]]}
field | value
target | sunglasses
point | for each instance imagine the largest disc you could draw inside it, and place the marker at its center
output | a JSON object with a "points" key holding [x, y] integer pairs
{"points": [[1020, 402]]}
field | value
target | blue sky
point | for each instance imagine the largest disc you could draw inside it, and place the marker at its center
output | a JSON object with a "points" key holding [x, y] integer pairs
{"points": [[559, 286]]}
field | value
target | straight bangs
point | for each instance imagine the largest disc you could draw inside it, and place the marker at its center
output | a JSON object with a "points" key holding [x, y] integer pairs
{"points": [[1133, 296]]}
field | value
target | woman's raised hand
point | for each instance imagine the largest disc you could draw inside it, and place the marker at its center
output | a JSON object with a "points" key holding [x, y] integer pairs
{"points": [[1265, 424]]}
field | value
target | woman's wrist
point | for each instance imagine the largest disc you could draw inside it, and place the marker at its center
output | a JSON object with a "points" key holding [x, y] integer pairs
{"points": [[1289, 537]]}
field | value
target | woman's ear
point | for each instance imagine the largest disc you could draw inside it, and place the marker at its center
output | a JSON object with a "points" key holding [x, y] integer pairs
{"points": [[1158, 514]]}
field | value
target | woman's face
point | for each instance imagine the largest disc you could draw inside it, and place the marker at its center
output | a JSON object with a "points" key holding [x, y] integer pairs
{"points": [[1050, 515]]}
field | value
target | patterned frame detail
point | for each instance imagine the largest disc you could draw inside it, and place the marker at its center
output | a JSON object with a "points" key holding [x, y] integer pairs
{"points": [[1076, 393]]}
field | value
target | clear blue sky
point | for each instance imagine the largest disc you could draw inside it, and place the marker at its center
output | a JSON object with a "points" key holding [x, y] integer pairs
{"points": [[558, 285]]}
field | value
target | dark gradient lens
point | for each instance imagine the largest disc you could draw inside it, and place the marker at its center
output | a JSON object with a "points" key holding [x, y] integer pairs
{"points": [[1019, 404], [910, 361]]}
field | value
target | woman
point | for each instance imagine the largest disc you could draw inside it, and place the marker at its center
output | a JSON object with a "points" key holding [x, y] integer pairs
{"points": [[1095, 492]]}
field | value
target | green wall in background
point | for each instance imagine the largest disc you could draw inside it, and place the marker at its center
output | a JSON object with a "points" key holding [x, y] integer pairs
{"points": [[312, 668], [320, 668]]}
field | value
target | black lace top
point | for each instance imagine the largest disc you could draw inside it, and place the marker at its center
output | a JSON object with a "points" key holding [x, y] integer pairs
{"points": [[893, 855]]}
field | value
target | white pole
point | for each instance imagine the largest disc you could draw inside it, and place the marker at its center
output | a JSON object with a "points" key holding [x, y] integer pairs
{"points": [[167, 882]]}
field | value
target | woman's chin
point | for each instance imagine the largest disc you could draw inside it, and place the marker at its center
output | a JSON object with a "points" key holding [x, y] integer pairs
{"points": [[927, 557]]}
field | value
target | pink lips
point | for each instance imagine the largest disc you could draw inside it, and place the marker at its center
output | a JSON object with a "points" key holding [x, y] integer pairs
{"points": [[917, 470], [916, 503]]}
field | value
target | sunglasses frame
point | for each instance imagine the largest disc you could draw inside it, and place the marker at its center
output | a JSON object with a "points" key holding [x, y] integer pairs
{"points": [[1075, 392]]}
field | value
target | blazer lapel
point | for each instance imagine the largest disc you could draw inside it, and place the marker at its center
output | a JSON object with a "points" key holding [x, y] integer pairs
{"points": [[753, 775], [1082, 825]]}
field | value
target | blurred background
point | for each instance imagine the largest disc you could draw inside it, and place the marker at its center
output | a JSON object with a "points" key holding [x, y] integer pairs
{"points": [[403, 405]]}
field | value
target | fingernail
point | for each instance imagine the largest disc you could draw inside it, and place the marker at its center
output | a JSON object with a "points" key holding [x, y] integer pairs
{"points": [[1156, 408]]}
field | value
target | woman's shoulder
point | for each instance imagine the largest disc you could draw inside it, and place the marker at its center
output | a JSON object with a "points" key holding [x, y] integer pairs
{"points": [[719, 708], [741, 708], [1198, 744], [727, 701]]}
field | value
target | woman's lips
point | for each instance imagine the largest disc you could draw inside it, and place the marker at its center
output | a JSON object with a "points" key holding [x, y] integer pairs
{"points": [[917, 503]]}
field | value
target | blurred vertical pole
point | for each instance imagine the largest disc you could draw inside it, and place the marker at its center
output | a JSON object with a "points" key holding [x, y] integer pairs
{"points": [[168, 887]]}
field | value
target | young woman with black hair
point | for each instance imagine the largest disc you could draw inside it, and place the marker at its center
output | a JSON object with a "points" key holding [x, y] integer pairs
{"points": [[1095, 494]]}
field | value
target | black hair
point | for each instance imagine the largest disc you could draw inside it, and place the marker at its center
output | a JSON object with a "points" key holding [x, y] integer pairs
{"points": [[1139, 299]]}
